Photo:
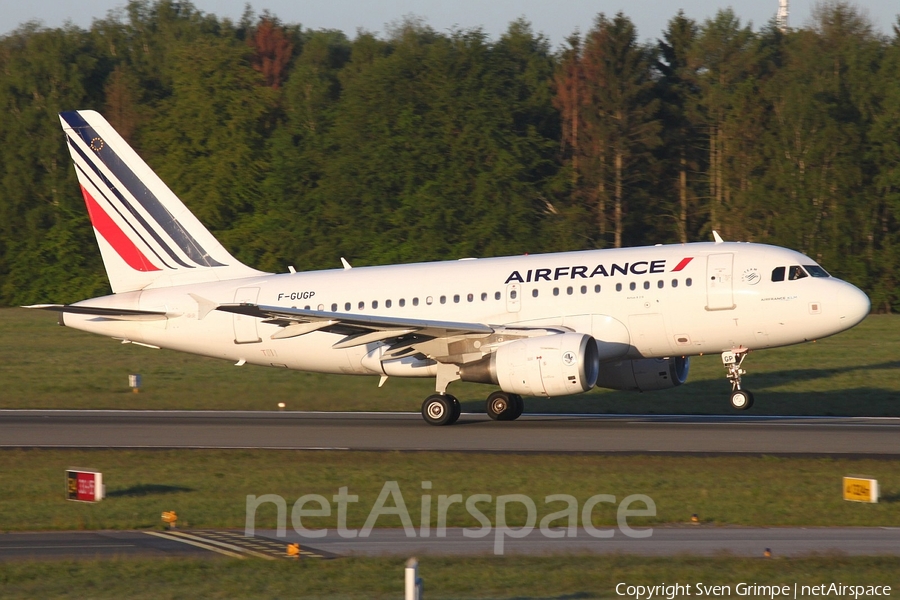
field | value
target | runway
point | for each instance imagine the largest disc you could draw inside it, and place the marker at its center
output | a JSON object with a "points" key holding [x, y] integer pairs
{"points": [[742, 434], [266, 544]]}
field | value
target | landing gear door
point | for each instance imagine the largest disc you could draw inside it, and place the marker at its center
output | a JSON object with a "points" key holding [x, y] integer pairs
{"points": [[244, 326], [719, 291], [513, 297]]}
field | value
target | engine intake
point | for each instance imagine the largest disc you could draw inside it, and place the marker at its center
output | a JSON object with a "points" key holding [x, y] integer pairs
{"points": [[644, 375], [550, 365]]}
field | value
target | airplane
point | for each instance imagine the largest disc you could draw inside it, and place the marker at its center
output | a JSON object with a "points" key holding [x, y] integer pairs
{"points": [[533, 325]]}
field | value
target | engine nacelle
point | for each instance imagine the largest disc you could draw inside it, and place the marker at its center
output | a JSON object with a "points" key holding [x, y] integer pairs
{"points": [[549, 365], [644, 375]]}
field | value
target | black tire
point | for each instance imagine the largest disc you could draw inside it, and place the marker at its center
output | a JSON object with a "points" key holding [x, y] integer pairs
{"points": [[457, 409], [439, 409], [501, 406], [741, 399], [518, 404]]}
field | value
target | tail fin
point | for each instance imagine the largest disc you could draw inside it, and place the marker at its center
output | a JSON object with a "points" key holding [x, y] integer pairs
{"points": [[147, 236]]}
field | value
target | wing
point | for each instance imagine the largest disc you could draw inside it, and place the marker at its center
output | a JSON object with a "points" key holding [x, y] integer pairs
{"points": [[445, 341]]}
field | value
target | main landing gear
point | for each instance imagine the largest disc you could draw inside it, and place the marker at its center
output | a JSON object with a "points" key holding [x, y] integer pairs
{"points": [[444, 409], [501, 406], [441, 409], [740, 399]]}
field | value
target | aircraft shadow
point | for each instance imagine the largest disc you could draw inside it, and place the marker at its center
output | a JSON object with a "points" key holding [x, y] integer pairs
{"points": [[148, 489]]}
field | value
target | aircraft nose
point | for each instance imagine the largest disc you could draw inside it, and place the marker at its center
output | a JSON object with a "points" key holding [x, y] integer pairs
{"points": [[853, 305]]}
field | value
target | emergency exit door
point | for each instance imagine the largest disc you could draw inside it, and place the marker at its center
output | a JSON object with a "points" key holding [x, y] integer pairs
{"points": [[244, 326]]}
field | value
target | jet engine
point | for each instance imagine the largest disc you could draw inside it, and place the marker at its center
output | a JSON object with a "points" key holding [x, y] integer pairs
{"points": [[644, 375], [549, 365]]}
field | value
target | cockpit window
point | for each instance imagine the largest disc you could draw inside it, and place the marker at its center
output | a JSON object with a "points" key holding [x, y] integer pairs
{"points": [[796, 272], [778, 274], [816, 271]]}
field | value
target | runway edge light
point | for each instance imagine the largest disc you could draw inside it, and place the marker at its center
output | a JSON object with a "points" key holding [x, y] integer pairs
{"points": [[84, 485], [859, 488]]}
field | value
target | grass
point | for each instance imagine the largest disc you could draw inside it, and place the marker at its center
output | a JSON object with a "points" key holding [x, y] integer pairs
{"points": [[208, 488], [45, 366], [560, 577]]}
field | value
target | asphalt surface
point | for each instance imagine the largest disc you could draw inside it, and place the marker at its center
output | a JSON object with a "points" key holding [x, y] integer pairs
{"points": [[266, 544], [406, 431]]}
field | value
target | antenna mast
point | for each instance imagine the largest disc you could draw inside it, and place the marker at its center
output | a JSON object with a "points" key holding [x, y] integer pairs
{"points": [[781, 18]]}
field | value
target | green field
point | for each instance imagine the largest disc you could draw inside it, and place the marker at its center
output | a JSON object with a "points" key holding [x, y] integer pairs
{"points": [[208, 488], [559, 578], [46, 366]]}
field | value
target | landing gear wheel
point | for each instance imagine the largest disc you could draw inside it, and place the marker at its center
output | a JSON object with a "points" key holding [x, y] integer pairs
{"points": [[440, 409], [518, 404], [501, 406], [741, 399]]}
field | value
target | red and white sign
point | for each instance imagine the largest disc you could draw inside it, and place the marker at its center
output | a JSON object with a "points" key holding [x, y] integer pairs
{"points": [[84, 485]]}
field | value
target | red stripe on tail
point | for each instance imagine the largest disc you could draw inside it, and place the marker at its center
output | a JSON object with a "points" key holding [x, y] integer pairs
{"points": [[113, 234], [684, 262]]}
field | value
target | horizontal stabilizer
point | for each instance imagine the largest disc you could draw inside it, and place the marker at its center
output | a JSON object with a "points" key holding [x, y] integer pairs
{"points": [[120, 314]]}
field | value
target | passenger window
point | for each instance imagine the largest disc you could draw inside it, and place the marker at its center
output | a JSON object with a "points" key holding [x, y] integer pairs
{"points": [[483, 296], [362, 305], [334, 308], [321, 307], [778, 274], [456, 298], [796, 273], [374, 303], [496, 295], [443, 299], [387, 303], [674, 283], [470, 297], [306, 307], [688, 282], [646, 285], [556, 291], [569, 290], [513, 294], [402, 302], [618, 287], [534, 293], [632, 286], [584, 289], [660, 284], [416, 301], [347, 306], [597, 289]]}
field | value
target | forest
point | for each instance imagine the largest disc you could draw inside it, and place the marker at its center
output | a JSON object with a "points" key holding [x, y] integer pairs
{"points": [[297, 146]]}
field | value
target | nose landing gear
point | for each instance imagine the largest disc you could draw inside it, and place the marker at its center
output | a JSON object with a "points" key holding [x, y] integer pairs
{"points": [[740, 399]]}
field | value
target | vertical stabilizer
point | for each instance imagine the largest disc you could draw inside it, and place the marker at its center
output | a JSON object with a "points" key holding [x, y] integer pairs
{"points": [[147, 236]]}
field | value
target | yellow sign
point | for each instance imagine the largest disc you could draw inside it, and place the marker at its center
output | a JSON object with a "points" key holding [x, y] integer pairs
{"points": [[169, 517], [860, 489], [293, 550]]}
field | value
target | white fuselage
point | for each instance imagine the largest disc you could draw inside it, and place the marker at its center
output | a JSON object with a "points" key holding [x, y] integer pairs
{"points": [[661, 301]]}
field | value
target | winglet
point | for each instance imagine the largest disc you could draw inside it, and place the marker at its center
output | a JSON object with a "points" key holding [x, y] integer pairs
{"points": [[717, 237], [345, 263]]}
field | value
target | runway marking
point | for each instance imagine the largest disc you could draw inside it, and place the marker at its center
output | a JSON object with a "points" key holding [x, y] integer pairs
{"points": [[223, 545], [67, 546], [197, 544]]}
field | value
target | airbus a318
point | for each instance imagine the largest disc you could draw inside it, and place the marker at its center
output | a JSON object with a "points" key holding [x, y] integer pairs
{"points": [[535, 325]]}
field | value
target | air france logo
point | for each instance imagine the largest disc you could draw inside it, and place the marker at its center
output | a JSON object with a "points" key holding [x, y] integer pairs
{"points": [[568, 358], [641, 267]]}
